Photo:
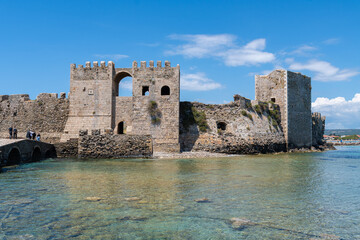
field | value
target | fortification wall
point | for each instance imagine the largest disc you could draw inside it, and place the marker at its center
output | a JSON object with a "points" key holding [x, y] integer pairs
{"points": [[246, 130], [46, 115], [114, 146], [299, 110], [318, 129]]}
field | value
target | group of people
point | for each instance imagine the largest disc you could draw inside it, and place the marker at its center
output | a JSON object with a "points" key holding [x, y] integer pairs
{"points": [[29, 135], [12, 133], [32, 135]]}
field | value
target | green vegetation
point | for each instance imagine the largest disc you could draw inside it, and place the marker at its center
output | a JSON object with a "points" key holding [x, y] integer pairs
{"points": [[258, 109], [275, 114], [189, 116], [246, 114], [200, 120], [350, 137], [154, 112], [248, 105]]}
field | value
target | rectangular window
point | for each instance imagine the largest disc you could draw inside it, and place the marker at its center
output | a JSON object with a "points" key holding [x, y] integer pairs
{"points": [[145, 90]]}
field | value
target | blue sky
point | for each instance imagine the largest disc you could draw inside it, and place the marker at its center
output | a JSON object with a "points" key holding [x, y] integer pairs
{"points": [[220, 46]]}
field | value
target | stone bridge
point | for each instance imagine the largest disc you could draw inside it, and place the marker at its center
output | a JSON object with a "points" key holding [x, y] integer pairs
{"points": [[16, 151]]}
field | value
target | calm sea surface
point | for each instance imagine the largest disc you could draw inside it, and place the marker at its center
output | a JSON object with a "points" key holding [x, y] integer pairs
{"points": [[285, 196]]}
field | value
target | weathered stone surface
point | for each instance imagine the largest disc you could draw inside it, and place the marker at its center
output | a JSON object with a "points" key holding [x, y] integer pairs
{"points": [[67, 149], [318, 129], [243, 134], [114, 146], [46, 115]]}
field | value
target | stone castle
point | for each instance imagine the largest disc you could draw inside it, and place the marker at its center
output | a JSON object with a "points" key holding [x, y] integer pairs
{"points": [[153, 119]]}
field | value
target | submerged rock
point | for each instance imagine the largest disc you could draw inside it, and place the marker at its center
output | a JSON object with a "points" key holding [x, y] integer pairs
{"points": [[93, 199], [132, 199], [240, 223], [202, 200], [131, 218]]}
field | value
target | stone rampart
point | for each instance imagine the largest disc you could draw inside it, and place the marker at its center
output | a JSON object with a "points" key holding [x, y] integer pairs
{"points": [[231, 128], [47, 115], [114, 146], [318, 129]]}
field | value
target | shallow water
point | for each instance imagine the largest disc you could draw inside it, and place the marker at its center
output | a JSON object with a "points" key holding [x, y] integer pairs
{"points": [[286, 196]]}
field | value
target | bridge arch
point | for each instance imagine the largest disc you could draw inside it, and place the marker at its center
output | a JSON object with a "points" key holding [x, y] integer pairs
{"points": [[14, 156], [36, 154]]}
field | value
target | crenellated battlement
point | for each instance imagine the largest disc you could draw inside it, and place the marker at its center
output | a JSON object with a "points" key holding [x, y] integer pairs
{"points": [[95, 65], [143, 65]]}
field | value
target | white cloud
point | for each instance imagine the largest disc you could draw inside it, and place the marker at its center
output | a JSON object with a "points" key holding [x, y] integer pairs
{"points": [[331, 41], [222, 46], [340, 113], [126, 83], [250, 54], [198, 82], [201, 45], [111, 56], [303, 50], [324, 71]]}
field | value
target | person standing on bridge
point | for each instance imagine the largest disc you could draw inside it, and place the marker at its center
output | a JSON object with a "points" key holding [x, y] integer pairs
{"points": [[10, 132], [28, 134], [38, 137], [15, 133]]}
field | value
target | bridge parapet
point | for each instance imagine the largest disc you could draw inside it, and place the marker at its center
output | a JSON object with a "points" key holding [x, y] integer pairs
{"points": [[17, 151]]}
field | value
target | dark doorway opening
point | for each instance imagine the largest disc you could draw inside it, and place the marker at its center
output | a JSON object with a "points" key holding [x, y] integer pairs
{"points": [[14, 157], [273, 100], [36, 155], [120, 128], [165, 90]]}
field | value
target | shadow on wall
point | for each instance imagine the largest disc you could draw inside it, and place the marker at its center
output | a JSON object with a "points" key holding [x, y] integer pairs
{"points": [[189, 131]]}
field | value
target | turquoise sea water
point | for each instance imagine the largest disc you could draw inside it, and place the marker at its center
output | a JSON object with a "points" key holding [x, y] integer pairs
{"points": [[285, 196]]}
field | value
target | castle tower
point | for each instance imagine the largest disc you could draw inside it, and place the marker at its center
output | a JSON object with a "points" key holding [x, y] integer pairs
{"points": [[292, 92], [156, 104], [90, 98], [153, 108]]}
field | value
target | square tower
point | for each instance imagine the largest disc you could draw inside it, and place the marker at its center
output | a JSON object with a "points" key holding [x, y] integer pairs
{"points": [[292, 92], [90, 98]]}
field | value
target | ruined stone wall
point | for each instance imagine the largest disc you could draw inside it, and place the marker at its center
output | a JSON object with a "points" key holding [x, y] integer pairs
{"points": [[91, 102], [246, 130], [318, 129], [46, 115], [114, 146], [156, 114], [299, 110]]}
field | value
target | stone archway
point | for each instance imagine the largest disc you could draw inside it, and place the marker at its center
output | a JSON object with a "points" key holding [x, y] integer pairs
{"points": [[118, 86], [36, 154], [14, 157]]}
